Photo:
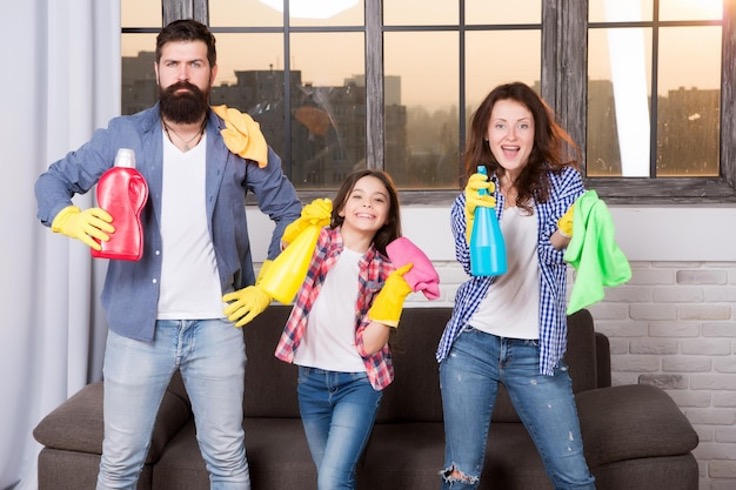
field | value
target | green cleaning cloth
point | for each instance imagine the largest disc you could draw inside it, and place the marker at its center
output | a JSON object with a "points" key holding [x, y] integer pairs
{"points": [[593, 253]]}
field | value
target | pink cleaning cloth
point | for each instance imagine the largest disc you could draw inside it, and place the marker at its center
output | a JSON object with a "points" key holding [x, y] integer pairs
{"points": [[422, 276]]}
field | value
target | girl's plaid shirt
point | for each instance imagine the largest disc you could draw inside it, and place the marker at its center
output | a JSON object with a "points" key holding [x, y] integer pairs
{"points": [[374, 268]]}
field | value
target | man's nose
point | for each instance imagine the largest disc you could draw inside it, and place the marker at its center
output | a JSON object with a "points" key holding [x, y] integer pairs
{"points": [[183, 73]]}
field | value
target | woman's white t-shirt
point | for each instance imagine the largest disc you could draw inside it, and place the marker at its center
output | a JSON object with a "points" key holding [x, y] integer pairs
{"points": [[511, 307]]}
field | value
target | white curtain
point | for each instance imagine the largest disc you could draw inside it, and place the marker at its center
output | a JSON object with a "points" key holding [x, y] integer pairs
{"points": [[60, 81]]}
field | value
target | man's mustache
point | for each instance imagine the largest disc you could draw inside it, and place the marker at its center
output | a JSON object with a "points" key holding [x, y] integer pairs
{"points": [[172, 89]]}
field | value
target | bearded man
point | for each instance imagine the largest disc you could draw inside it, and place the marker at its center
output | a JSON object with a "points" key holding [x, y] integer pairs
{"points": [[176, 307]]}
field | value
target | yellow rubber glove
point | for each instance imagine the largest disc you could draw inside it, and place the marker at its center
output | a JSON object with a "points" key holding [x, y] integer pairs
{"points": [[317, 212], [473, 199], [564, 224], [86, 226], [249, 302], [245, 305], [389, 302]]}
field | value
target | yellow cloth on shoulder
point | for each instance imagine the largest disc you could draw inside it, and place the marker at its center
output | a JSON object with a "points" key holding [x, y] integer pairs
{"points": [[243, 135]]}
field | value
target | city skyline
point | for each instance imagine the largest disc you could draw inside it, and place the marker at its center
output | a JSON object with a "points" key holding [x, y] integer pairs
{"points": [[418, 57]]}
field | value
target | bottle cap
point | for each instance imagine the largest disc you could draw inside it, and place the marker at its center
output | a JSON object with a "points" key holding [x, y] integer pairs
{"points": [[125, 158]]}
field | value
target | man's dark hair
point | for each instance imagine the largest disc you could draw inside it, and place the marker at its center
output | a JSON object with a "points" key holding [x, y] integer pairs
{"points": [[187, 30]]}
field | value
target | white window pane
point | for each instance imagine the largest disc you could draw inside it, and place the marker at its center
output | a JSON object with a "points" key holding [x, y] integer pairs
{"points": [[620, 10], [516, 12], [619, 74], [420, 12]]}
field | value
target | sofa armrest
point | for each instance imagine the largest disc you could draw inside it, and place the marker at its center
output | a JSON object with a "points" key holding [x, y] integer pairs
{"points": [[77, 424], [632, 421]]}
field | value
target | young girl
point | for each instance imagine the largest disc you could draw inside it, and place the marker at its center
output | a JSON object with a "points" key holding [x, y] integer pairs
{"points": [[512, 329], [339, 328]]}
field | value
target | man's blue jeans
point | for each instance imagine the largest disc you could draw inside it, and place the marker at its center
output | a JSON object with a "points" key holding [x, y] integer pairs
{"points": [[338, 411], [211, 357], [469, 379]]}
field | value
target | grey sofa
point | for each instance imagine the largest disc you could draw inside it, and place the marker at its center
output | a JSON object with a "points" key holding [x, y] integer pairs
{"points": [[635, 436]]}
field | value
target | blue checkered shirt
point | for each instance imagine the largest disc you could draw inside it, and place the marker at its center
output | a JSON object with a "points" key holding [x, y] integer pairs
{"points": [[565, 188]]}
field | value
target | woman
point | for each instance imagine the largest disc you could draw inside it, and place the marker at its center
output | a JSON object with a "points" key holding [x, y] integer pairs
{"points": [[512, 328]]}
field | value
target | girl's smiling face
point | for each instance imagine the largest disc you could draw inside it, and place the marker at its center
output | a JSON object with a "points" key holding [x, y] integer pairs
{"points": [[366, 206], [511, 135]]}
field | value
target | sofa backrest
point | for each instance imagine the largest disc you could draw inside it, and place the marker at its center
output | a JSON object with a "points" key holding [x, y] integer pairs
{"points": [[270, 384]]}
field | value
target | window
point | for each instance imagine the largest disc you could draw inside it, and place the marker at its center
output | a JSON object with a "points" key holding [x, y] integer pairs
{"points": [[392, 84], [659, 117]]}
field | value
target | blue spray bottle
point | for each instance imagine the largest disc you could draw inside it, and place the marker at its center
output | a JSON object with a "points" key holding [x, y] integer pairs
{"points": [[487, 248]]}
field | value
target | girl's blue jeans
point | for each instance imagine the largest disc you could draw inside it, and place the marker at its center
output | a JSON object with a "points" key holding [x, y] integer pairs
{"points": [[469, 379], [211, 357], [338, 410]]}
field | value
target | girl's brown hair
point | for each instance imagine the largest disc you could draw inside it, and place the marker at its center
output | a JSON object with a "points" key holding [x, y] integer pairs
{"points": [[553, 148], [391, 230]]}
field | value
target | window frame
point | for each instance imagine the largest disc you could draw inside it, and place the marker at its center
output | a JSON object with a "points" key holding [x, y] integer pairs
{"points": [[564, 84]]}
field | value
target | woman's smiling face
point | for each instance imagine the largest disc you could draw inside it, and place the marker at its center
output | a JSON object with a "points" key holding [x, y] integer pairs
{"points": [[511, 134]]}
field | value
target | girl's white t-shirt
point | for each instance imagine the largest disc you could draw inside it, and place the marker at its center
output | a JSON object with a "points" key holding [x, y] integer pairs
{"points": [[511, 307], [329, 339]]}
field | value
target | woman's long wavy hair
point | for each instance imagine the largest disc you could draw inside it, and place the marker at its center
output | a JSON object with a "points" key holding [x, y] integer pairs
{"points": [[391, 230], [553, 148]]}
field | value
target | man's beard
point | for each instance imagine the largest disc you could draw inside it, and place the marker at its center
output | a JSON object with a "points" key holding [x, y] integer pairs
{"points": [[186, 107]]}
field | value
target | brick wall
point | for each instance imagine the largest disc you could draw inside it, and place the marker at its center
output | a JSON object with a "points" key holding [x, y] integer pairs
{"points": [[673, 326]]}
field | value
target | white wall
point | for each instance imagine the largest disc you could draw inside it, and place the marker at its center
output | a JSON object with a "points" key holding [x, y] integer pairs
{"points": [[644, 234]]}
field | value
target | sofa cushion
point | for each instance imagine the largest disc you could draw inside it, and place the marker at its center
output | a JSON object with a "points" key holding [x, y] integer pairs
{"points": [[414, 394], [72, 470], [664, 472], [630, 422], [410, 456], [277, 452]]}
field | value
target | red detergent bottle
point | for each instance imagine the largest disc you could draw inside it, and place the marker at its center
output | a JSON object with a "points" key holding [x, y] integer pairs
{"points": [[122, 191]]}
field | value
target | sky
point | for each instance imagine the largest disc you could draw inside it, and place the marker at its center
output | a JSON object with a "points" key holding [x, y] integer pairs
{"points": [[427, 62]]}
